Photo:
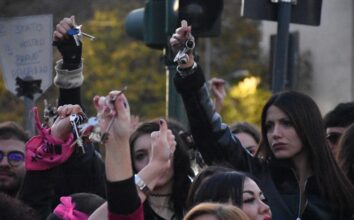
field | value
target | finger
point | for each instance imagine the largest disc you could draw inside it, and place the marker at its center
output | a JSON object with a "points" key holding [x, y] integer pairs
{"points": [[57, 36], [61, 29], [163, 127], [73, 20], [65, 25]]}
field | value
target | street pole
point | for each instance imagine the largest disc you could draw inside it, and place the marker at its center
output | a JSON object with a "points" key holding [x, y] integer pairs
{"points": [[281, 51], [174, 103], [29, 118]]}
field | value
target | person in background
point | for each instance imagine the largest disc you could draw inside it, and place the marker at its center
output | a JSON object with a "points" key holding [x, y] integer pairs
{"points": [[167, 200], [293, 154], [336, 121], [215, 211], [247, 134], [345, 153], [12, 157]]}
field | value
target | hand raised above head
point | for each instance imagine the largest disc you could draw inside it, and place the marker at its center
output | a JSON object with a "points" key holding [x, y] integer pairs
{"points": [[179, 38], [163, 145], [62, 126], [114, 115], [63, 27]]}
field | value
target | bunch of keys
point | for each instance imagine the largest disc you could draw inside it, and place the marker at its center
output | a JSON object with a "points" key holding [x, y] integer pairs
{"points": [[76, 120], [182, 57], [78, 34], [92, 129]]}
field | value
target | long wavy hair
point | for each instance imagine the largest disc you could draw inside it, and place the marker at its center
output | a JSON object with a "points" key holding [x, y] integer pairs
{"points": [[181, 162], [306, 118]]}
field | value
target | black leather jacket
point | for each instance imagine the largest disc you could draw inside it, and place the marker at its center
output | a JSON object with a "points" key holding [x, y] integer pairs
{"points": [[217, 145]]}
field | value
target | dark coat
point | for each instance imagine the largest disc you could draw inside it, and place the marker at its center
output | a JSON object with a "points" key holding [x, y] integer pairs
{"points": [[219, 146]]}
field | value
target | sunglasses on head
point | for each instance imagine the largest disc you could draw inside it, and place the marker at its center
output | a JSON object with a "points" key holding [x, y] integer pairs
{"points": [[333, 137], [14, 158]]}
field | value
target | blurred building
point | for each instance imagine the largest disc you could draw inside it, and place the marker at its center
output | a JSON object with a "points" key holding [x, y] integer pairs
{"points": [[330, 50]]}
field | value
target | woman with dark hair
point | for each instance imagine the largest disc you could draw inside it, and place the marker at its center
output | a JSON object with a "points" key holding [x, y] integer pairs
{"points": [[167, 200], [234, 188], [345, 154], [202, 176], [293, 165], [215, 211]]}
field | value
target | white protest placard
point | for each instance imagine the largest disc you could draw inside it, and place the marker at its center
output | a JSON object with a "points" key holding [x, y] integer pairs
{"points": [[26, 50]]}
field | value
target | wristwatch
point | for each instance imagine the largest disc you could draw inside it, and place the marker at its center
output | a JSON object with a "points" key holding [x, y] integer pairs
{"points": [[141, 185]]}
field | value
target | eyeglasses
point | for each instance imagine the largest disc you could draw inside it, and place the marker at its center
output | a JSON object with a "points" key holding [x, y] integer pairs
{"points": [[14, 158], [333, 137]]}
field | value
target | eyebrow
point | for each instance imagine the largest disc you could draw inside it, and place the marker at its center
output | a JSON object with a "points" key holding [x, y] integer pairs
{"points": [[252, 193]]}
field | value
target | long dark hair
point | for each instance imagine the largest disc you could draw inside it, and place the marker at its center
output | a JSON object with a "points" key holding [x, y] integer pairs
{"points": [[306, 118], [223, 188], [345, 155], [181, 162]]}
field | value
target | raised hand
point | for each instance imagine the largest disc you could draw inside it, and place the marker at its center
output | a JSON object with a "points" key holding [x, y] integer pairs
{"points": [[163, 145], [62, 126], [217, 87], [114, 115]]}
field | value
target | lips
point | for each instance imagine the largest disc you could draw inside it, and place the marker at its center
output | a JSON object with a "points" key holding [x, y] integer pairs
{"points": [[267, 218], [279, 146]]}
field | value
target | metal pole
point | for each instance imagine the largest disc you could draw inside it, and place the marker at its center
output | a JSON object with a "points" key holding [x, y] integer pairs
{"points": [[29, 119], [281, 51]]}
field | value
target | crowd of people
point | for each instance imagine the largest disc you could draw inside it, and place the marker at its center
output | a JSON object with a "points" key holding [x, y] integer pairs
{"points": [[298, 166]]}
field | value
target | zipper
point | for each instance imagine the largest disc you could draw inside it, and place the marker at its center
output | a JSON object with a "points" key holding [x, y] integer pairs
{"points": [[300, 195]]}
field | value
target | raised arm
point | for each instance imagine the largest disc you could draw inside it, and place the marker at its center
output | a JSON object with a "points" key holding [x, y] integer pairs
{"points": [[69, 70], [212, 137]]}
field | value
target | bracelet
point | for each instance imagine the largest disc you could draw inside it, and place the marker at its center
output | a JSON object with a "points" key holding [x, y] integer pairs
{"points": [[141, 185], [187, 71]]}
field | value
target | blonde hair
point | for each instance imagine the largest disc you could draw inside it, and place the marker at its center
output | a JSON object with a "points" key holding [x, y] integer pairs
{"points": [[220, 211]]}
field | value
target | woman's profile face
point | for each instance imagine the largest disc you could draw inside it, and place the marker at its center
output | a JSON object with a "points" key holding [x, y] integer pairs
{"points": [[247, 141], [254, 202], [141, 157], [281, 134]]}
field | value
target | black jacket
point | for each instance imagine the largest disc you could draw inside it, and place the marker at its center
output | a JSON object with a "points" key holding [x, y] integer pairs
{"points": [[218, 145]]}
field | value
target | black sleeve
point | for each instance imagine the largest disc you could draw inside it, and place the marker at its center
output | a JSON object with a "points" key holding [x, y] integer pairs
{"points": [[69, 96], [38, 190], [122, 196], [212, 137]]}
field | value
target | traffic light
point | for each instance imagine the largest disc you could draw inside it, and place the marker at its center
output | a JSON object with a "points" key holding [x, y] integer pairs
{"points": [[160, 18], [148, 24], [203, 15]]}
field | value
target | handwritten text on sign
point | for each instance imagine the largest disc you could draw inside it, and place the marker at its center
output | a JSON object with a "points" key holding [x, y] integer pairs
{"points": [[26, 49]]}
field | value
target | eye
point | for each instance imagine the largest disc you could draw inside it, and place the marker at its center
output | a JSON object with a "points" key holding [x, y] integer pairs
{"points": [[287, 122], [140, 156], [269, 126], [249, 200]]}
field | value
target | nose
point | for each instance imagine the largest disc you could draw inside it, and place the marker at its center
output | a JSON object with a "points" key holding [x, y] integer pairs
{"points": [[276, 131], [264, 208], [4, 162]]}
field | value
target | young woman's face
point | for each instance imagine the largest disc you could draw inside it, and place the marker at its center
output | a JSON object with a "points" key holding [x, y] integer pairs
{"points": [[141, 157], [247, 142], [254, 202], [282, 137]]}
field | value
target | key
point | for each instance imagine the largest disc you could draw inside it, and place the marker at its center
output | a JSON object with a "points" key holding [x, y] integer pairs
{"points": [[74, 120], [104, 136], [182, 57]]}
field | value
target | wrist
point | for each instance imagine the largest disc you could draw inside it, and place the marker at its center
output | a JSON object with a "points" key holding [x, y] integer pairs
{"points": [[186, 71], [142, 186]]}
